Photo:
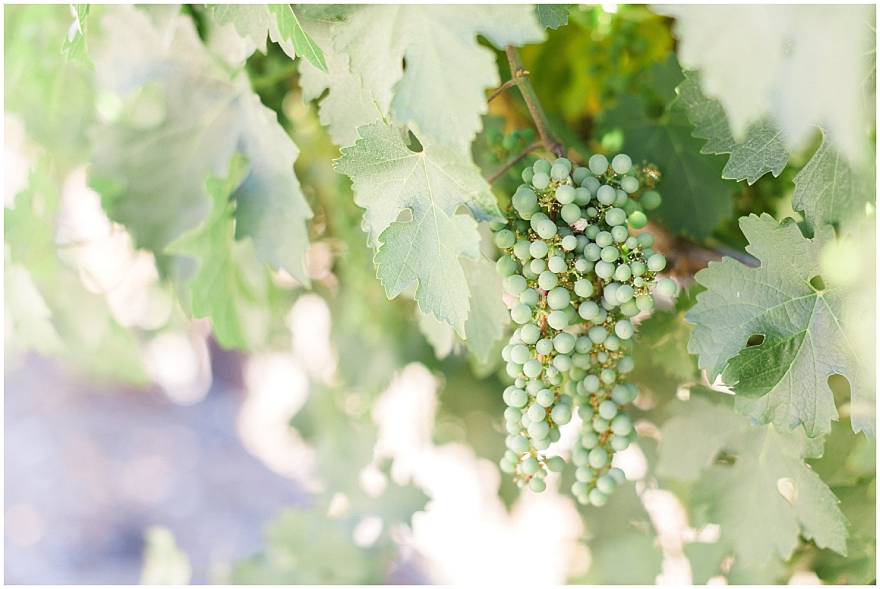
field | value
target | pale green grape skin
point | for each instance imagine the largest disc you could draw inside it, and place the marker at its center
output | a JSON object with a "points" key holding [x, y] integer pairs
{"points": [[619, 233], [650, 200], [625, 293], [558, 298], [538, 430], [521, 250], [622, 272], [512, 414], [544, 346], [637, 219], [532, 368], [579, 175], [534, 386], [621, 163], [589, 440], [537, 218], [615, 216], [645, 239], [606, 484], [582, 196], [513, 427], [583, 474], [505, 239], [606, 194], [597, 334], [607, 375], [563, 161], [621, 425], [611, 343], [623, 329], [570, 213], [645, 302], [518, 398], [656, 263], [600, 424], [579, 457], [604, 270], [622, 394], [540, 180], [515, 284], [527, 174], [506, 266], [598, 164], [631, 242], [620, 198], [557, 320], [557, 265], [564, 343], [580, 489], [569, 243], [592, 383], [607, 409], [506, 466], [537, 266], [610, 253], [629, 184], [520, 354], [619, 443], [545, 398], [592, 252], [598, 457], [560, 414], [530, 333], [617, 474], [538, 249], [537, 485], [565, 194], [583, 288], [604, 239], [592, 231], [521, 313], [637, 268], [542, 166], [529, 297], [667, 287], [555, 463], [588, 310], [626, 364], [592, 184], [537, 413], [524, 199], [562, 362], [530, 465], [548, 280]]}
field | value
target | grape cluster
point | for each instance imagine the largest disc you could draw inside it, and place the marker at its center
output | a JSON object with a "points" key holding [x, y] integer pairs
{"points": [[579, 277]]}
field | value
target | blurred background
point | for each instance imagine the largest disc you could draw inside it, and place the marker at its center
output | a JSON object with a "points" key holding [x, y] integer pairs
{"points": [[356, 441]]}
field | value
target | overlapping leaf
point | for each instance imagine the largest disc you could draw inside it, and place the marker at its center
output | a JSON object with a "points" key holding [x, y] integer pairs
{"points": [[75, 43], [552, 16], [761, 493], [389, 178], [182, 118], [784, 379], [441, 91], [762, 149]]}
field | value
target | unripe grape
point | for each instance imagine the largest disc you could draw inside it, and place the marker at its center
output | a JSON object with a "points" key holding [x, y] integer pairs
{"points": [[637, 219], [623, 329], [645, 239], [562, 362], [619, 443], [621, 163], [557, 265], [518, 398], [580, 174], [592, 184], [607, 409], [598, 164], [538, 249], [592, 231], [625, 293], [512, 414], [611, 343], [515, 284], [650, 200], [597, 334], [656, 263], [538, 429], [609, 253], [617, 474], [637, 268], [548, 280], [521, 313], [588, 310], [615, 216], [537, 412], [598, 457], [544, 346], [524, 199], [667, 287], [537, 485], [621, 425], [564, 343], [555, 464], [626, 364], [645, 302], [506, 266], [529, 297], [592, 252], [606, 194], [546, 229], [540, 180], [542, 165], [569, 243], [565, 194], [521, 250], [505, 239], [619, 233], [622, 272], [623, 394], [561, 414], [545, 398], [607, 375], [629, 184], [557, 320], [620, 198], [583, 288], [582, 196], [604, 239], [527, 174], [606, 484], [589, 440], [530, 465], [604, 270], [570, 213]]}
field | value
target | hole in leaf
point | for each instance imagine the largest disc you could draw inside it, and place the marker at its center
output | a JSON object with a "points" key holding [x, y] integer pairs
{"points": [[726, 458], [756, 339], [817, 283], [840, 387], [404, 216], [413, 143], [788, 489]]}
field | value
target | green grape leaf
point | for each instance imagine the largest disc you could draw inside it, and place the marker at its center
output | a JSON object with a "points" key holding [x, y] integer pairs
{"points": [[440, 335], [75, 43], [859, 566], [28, 319], [389, 178], [762, 149], [488, 318], [784, 379], [441, 91], [695, 197], [347, 105], [164, 562], [665, 335], [750, 478], [255, 21], [231, 286], [830, 191], [182, 117], [552, 16]]}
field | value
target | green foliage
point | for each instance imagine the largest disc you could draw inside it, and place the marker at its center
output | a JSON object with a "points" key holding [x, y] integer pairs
{"points": [[696, 197], [664, 337], [164, 562], [762, 149], [784, 379], [75, 42], [750, 479], [552, 16]]}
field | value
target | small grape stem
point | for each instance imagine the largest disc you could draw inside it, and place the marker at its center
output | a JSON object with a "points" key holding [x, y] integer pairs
{"points": [[520, 76], [507, 85], [513, 161]]}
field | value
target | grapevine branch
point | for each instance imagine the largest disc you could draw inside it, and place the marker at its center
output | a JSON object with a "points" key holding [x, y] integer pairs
{"points": [[513, 161], [521, 77], [506, 85]]}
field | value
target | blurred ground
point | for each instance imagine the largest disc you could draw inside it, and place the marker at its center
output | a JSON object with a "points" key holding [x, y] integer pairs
{"points": [[87, 469]]}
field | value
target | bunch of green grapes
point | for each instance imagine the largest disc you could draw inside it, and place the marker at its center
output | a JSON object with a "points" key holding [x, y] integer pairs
{"points": [[579, 277]]}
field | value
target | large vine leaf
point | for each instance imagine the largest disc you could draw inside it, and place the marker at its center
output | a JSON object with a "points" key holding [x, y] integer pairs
{"points": [[830, 191], [347, 105], [695, 197], [231, 286], [441, 91], [750, 478], [184, 117], [552, 16], [761, 150], [255, 21], [784, 379], [389, 178]]}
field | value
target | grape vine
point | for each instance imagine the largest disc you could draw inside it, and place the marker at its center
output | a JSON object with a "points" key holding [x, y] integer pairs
{"points": [[580, 277]]}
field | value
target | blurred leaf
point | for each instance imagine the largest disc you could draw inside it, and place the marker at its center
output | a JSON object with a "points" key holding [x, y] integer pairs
{"points": [[441, 93], [665, 334], [75, 43], [695, 197], [164, 562], [744, 491], [28, 319], [830, 191], [184, 118], [784, 379], [231, 286], [762, 149], [488, 317], [432, 184], [440, 335], [552, 16], [859, 566]]}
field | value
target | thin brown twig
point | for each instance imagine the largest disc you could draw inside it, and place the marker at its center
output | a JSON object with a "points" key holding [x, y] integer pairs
{"points": [[512, 162], [525, 86], [506, 85]]}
